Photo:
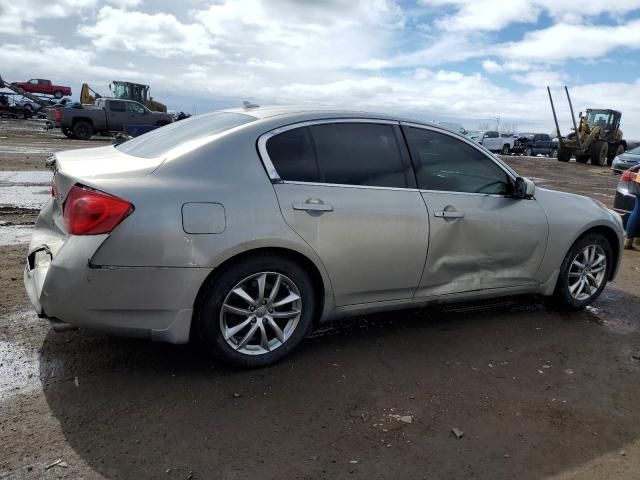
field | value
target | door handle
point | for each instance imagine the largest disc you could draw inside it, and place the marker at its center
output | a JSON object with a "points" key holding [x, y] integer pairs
{"points": [[313, 205], [449, 214]]}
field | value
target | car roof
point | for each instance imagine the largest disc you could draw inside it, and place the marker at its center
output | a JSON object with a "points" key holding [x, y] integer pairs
{"points": [[314, 112]]}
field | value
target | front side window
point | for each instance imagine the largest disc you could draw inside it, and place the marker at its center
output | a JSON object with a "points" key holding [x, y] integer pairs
{"points": [[135, 108], [444, 163], [366, 154], [33, 82]]}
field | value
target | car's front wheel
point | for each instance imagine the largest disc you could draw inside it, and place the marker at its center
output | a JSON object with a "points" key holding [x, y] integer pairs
{"points": [[584, 272], [255, 312]]}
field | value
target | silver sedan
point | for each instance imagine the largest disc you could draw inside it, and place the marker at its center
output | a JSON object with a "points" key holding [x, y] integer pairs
{"points": [[244, 228]]}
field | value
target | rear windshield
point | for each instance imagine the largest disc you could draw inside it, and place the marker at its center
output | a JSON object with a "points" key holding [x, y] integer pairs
{"points": [[160, 141]]}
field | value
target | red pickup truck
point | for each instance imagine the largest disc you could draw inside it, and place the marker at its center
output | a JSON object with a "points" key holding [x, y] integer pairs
{"points": [[43, 87]]}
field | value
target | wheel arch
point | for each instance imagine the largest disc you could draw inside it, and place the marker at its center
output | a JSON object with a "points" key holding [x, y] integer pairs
{"points": [[613, 239], [319, 282]]}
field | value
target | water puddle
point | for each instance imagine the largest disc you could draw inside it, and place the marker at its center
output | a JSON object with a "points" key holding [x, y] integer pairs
{"points": [[24, 189], [31, 197], [26, 177], [15, 234], [19, 368]]}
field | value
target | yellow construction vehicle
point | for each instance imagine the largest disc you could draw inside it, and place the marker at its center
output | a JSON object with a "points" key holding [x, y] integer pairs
{"points": [[124, 91]]}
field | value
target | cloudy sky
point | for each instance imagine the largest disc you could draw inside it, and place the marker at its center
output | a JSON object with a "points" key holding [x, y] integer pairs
{"points": [[464, 60]]}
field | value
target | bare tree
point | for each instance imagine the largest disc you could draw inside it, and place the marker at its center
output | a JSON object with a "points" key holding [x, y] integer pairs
{"points": [[510, 128]]}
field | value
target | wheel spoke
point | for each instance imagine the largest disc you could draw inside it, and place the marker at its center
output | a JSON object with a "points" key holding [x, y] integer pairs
{"points": [[598, 269], [574, 274], [247, 337], [598, 261], [244, 295], [230, 332], [289, 314], [292, 297], [576, 263], [262, 280], [236, 310], [276, 330], [592, 280], [264, 340], [274, 289], [575, 286]]}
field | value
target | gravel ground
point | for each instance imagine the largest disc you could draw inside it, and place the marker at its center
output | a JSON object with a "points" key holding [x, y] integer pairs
{"points": [[537, 393]]}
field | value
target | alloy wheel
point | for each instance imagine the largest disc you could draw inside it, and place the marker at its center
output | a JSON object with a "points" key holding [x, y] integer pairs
{"points": [[587, 272], [260, 313]]}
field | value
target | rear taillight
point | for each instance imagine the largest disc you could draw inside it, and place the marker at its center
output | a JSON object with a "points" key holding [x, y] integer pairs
{"points": [[90, 212], [53, 190], [628, 176], [58, 115]]}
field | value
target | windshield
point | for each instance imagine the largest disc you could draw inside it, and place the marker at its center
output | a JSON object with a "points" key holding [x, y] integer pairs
{"points": [[634, 151], [598, 118], [160, 141]]}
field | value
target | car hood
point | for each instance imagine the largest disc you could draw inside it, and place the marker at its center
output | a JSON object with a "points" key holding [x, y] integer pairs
{"points": [[629, 158]]}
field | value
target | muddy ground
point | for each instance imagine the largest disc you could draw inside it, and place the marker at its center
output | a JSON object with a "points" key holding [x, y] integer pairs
{"points": [[537, 393]]}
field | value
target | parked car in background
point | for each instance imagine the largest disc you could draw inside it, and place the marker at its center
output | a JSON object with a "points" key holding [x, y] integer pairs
{"points": [[43, 87], [626, 160], [532, 144], [29, 105], [243, 228], [492, 140], [626, 192], [106, 116]]}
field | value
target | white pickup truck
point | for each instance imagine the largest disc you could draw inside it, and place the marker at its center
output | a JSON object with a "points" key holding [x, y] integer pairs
{"points": [[492, 140]]}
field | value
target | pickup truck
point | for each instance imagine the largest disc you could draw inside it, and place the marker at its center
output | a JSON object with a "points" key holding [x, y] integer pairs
{"points": [[492, 140], [532, 144], [106, 116], [43, 87]]}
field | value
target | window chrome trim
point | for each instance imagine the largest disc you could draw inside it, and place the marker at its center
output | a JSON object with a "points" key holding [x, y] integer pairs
{"points": [[348, 185], [469, 142], [271, 169]]}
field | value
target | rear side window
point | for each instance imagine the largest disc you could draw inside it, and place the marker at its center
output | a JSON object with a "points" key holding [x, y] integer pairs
{"points": [[160, 141], [365, 154], [444, 163], [293, 156], [116, 106]]}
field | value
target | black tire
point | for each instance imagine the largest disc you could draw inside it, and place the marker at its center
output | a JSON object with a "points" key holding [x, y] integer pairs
{"points": [[58, 94], [598, 153], [28, 107], [209, 311], [582, 158], [564, 155], [528, 152], [562, 294], [82, 130], [505, 149], [553, 153]]}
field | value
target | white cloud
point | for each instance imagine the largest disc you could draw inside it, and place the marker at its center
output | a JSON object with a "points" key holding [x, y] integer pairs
{"points": [[160, 35], [540, 78], [563, 41], [16, 16]]}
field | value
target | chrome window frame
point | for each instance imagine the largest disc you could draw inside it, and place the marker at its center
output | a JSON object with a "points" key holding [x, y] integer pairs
{"points": [[473, 145], [273, 173]]}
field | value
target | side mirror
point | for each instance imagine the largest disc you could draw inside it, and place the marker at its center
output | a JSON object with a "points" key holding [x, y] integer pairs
{"points": [[524, 188]]}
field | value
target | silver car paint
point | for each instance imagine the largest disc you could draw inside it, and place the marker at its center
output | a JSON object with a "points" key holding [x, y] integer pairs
{"points": [[144, 277]]}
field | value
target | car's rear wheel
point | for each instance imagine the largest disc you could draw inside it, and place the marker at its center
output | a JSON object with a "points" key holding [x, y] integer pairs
{"points": [[256, 312], [554, 153], [527, 152], [584, 272], [58, 94], [82, 130], [505, 149]]}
